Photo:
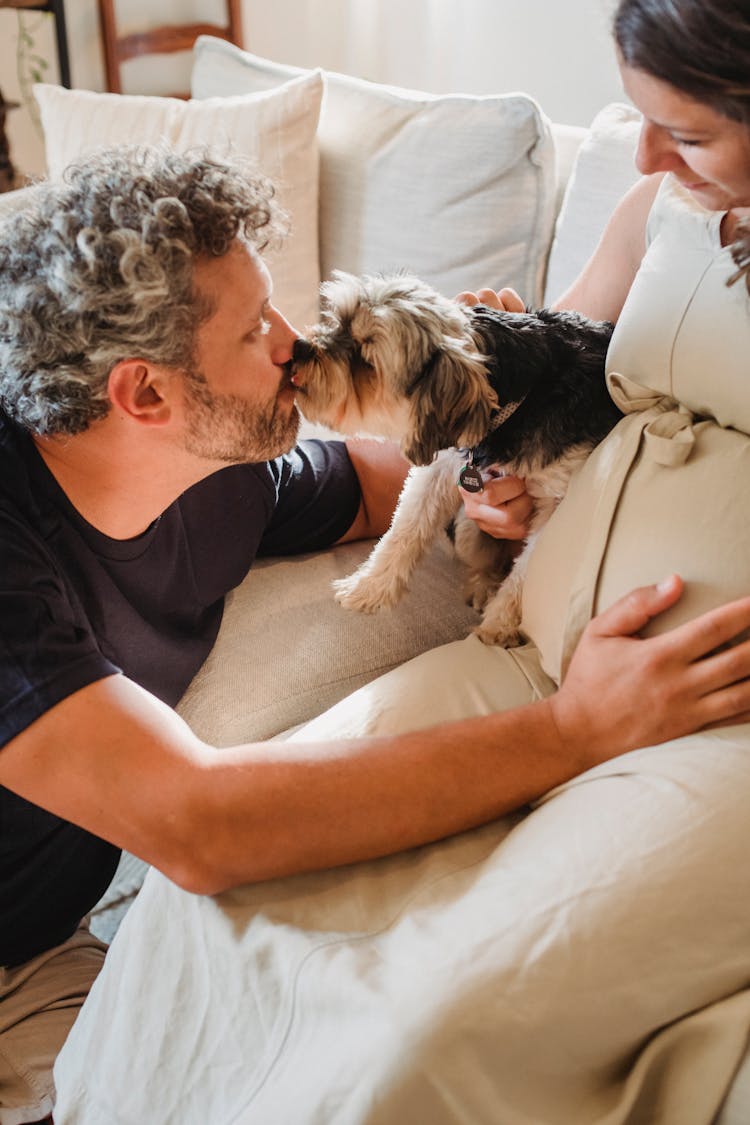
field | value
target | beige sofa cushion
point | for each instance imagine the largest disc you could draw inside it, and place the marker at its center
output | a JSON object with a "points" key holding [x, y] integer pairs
{"points": [[287, 650], [458, 189], [276, 128]]}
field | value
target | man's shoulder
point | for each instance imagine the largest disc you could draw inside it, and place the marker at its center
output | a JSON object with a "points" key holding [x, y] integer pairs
{"points": [[309, 462], [16, 491], [13, 441]]}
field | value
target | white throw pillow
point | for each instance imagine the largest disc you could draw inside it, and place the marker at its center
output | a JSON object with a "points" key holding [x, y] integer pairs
{"points": [[603, 171], [277, 129], [457, 189]]}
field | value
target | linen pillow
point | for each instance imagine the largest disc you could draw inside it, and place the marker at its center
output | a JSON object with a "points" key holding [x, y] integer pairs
{"points": [[458, 189], [276, 129], [603, 171]]}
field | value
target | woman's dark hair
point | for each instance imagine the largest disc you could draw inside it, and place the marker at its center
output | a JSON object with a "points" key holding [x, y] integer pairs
{"points": [[701, 47]]}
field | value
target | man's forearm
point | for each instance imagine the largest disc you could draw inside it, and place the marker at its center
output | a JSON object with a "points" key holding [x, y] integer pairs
{"points": [[312, 805], [134, 774], [381, 470]]}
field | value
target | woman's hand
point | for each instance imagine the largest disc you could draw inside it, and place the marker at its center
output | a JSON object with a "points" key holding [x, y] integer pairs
{"points": [[505, 300], [503, 509]]}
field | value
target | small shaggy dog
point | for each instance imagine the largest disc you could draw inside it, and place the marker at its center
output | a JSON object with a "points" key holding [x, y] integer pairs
{"points": [[461, 389]]}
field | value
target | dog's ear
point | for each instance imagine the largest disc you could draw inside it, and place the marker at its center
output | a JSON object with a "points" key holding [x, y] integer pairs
{"points": [[340, 297], [452, 404]]}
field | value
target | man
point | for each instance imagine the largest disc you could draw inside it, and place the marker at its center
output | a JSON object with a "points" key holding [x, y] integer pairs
{"points": [[144, 384]]}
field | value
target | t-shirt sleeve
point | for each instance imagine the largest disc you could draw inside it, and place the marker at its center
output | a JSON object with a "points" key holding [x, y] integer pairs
{"points": [[47, 651], [317, 498]]}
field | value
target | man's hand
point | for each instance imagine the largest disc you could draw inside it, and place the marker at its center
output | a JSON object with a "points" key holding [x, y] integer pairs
{"points": [[683, 680]]}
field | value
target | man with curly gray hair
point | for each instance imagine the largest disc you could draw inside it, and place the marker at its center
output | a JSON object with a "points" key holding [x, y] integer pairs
{"points": [[140, 353], [103, 268], [147, 428]]}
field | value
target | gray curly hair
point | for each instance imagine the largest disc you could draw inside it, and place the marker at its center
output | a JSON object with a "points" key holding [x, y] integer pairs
{"points": [[100, 269]]}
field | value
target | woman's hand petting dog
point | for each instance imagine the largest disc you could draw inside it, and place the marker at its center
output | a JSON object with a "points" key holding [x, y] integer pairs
{"points": [[504, 509], [505, 300]]}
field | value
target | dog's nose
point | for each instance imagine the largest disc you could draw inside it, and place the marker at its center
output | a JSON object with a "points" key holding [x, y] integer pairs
{"points": [[302, 351]]}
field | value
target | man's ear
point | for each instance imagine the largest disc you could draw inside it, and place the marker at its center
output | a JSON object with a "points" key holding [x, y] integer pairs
{"points": [[141, 390]]}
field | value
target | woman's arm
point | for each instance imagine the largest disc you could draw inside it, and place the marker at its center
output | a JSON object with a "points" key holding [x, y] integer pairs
{"points": [[601, 288]]}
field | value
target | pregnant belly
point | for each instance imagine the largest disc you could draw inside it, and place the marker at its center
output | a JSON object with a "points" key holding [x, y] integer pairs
{"points": [[610, 535]]}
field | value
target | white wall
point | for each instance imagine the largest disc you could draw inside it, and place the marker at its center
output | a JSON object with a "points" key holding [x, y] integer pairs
{"points": [[559, 51]]}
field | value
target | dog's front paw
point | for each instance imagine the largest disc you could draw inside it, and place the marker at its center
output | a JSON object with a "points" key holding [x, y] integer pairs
{"points": [[507, 636], [366, 593]]}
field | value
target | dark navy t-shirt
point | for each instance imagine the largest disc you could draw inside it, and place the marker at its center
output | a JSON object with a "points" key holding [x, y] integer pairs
{"points": [[76, 606]]}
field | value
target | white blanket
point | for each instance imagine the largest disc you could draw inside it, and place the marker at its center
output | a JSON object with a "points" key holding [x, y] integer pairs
{"points": [[586, 962]]}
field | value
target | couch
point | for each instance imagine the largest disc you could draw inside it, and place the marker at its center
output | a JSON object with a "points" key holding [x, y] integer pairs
{"points": [[465, 191]]}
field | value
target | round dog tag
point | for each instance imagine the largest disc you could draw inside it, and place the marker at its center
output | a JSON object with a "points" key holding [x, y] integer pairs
{"points": [[471, 479]]}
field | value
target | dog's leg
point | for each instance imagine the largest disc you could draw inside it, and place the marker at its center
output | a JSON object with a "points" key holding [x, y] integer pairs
{"points": [[501, 622], [428, 501], [488, 560]]}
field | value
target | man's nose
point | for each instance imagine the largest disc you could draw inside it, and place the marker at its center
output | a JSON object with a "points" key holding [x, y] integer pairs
{"points": [[282, 338]]}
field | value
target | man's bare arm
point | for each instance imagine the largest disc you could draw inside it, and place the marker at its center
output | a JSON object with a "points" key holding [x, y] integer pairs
{"points": [[381, 469], [114, 760]]}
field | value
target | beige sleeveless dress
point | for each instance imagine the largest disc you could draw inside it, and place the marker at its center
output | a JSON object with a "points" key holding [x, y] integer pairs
{"points": [[668, 489]]}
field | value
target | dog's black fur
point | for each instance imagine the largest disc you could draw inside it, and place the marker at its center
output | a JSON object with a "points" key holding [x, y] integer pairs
{"points": [[556, 360]]}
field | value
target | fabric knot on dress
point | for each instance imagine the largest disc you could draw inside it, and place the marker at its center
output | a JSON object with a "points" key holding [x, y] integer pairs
{"points": [[668, 436]]}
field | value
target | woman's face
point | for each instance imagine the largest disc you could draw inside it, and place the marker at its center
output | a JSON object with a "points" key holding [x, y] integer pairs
{"points": [[708, 153]]}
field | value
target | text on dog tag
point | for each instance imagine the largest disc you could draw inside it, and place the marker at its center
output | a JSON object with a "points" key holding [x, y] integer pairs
{"points": [[471, 479]]}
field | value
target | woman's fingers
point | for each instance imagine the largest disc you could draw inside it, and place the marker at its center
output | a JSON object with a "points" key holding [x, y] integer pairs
{"points": [[504, 300], [503, 509]]}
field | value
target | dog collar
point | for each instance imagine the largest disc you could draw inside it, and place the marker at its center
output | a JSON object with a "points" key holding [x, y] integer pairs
{"points": [[505, 412], [470, 478]]}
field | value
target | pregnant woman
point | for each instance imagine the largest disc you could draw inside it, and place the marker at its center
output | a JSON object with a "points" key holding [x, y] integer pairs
{"points": [[587, 961]]}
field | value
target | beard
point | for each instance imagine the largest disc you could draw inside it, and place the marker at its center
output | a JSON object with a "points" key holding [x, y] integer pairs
{"points": [[229, 429]]}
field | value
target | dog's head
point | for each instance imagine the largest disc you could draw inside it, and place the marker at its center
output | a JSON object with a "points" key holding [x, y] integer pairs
{"points": [[394, 358]]}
